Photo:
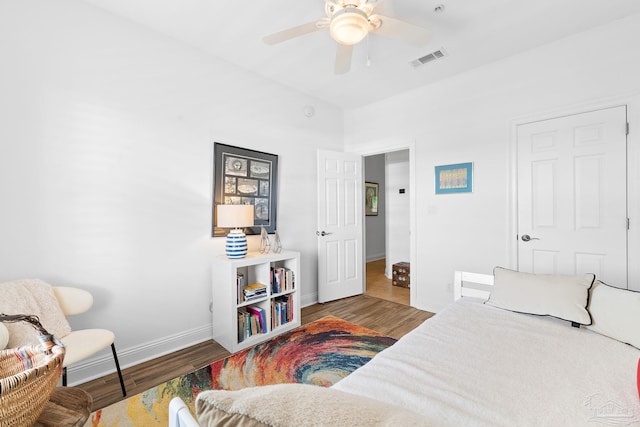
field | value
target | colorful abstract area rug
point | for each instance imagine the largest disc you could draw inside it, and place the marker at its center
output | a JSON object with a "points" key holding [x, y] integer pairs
{"points": [[320, 353]]}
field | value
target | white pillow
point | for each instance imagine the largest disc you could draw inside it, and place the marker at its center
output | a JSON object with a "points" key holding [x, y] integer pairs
{"points": [[301, 405], [615, 313], [4, 336], [564, 297]]}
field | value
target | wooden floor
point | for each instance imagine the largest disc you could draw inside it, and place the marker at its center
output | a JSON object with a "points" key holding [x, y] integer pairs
{"points": [[386, 317], [380, 287]]}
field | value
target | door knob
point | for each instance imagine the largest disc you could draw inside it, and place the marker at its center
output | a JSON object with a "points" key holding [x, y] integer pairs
{"points": [[526, 238], [322, 233]]}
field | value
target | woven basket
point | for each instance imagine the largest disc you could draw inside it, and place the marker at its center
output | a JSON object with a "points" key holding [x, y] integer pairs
{"points": [[28, 375]]}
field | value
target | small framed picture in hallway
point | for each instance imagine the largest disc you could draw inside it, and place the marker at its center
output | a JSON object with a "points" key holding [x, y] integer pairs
{"points": [[371, 198]]}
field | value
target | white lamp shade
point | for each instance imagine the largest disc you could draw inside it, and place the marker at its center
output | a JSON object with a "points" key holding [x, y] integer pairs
{"points": [[349, 26], [234, 216]]}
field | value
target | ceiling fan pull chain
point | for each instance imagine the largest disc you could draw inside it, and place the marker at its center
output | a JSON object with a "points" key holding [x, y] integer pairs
{"points": [[368, 57]]}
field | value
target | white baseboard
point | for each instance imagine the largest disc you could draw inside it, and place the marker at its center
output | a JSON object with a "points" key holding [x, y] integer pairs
{"points": [[104, 364], [375, 257], [308, 300]]}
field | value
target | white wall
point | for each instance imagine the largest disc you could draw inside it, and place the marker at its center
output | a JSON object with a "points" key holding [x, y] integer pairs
{"points": [[468, 117], [398, 209], [374, 171], [106, 168]]}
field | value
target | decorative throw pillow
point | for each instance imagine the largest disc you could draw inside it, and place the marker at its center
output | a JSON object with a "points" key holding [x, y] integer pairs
{"points": [[615, 313], [4, 336], [564, 297], [31, 296], [300, 405]]}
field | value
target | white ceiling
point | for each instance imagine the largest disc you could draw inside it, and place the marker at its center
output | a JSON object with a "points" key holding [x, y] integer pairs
{"points": [[472, 32]]}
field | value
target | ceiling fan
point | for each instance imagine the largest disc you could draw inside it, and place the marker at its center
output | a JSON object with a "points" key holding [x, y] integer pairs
{"points": [[349, 22]]}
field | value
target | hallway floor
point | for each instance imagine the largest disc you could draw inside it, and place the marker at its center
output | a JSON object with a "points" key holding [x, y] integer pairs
{"points": [[380, 287]]}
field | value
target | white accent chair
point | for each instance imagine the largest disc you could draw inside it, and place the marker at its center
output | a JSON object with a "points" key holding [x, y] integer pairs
{"points": [[83, 343]]}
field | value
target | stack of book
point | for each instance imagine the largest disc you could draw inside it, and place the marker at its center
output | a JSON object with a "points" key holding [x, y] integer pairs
{"points": [[254, 291]]}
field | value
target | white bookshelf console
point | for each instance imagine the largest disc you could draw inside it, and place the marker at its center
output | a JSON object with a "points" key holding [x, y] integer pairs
{"points": [[227, 303]]}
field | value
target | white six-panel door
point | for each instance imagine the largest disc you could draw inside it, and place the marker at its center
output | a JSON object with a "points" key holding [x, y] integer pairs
{"points": [[340, 228], [572, 195]]}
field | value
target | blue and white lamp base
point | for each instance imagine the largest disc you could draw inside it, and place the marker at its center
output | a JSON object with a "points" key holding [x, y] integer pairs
{"points": [[236, 246]]}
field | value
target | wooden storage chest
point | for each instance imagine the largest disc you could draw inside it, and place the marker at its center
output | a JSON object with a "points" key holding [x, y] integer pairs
{"points": [[401, 274]]}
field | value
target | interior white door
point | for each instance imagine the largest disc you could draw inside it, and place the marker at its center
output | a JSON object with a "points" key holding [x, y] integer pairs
{"points": [[572, 195], [340, 225]]}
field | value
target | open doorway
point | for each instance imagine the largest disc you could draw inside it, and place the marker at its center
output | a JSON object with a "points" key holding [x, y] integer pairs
{"points": [[387, 238]]}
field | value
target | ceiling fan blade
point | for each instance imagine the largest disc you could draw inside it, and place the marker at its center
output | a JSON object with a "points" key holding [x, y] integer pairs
{"points": [[343, 58], [291, 33], [403, 31]]}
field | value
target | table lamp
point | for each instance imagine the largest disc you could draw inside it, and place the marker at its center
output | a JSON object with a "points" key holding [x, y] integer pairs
{"points": [[236, 217]]}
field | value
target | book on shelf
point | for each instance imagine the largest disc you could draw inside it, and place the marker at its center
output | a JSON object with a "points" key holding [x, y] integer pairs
{"points": [[255, 327], [289, 281], [240, 287], [244, 327], [275, 315]]}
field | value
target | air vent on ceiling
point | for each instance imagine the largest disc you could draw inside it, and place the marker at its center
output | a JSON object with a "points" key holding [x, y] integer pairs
{"points": [[428, 58]]}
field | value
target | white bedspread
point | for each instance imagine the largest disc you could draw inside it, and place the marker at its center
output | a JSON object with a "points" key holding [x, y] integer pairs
{"points": [[476, 365]]}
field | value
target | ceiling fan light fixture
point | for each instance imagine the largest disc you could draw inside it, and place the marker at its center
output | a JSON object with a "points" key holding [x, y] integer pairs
{"points": [[349, 26]]}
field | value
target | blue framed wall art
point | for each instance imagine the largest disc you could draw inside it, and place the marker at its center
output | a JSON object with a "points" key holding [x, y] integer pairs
{"points": [[457, 178]]}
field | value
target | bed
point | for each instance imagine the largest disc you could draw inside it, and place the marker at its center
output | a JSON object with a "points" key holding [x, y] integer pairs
{"points": [[540, 351]]}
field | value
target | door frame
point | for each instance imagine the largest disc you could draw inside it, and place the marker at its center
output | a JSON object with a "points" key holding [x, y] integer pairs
{"points": [[632, 102], [384, 147]]}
